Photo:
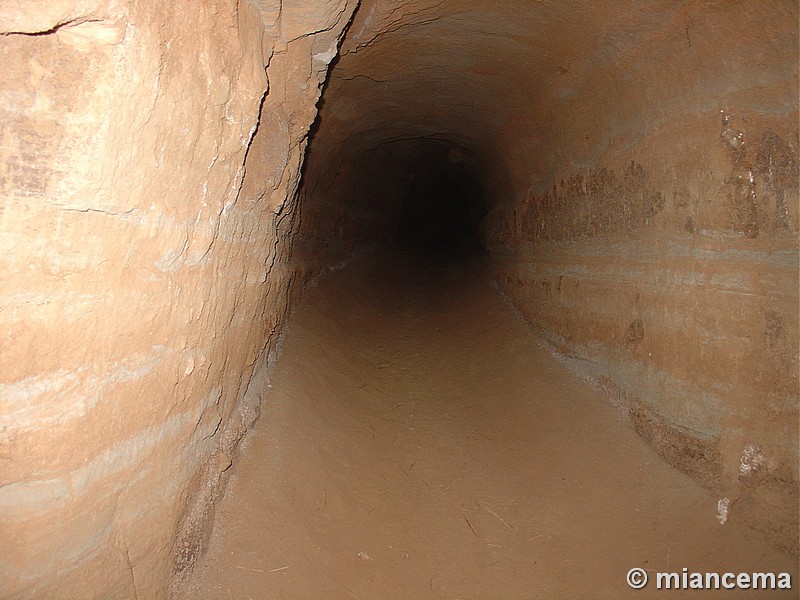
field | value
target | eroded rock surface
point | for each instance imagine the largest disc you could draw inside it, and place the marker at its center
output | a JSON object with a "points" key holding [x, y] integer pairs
{"points": [[639, 166], [135, 244]]}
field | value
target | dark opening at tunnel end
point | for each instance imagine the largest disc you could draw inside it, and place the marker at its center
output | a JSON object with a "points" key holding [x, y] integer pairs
{"points": [[442, 203]]}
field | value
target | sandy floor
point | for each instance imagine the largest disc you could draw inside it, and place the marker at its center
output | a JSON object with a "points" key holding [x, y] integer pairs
{"points": [[418, 442]]}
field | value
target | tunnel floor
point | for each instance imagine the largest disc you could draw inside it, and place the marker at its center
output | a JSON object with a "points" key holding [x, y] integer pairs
{"points": [[418, 441]]}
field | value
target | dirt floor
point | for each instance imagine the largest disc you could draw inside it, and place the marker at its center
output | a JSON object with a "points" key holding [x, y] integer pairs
{"points": [[419, 442]]}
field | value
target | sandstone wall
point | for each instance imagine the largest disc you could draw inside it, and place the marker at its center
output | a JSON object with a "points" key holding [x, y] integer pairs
{"points": [[640, 167], [659, 251], [150, 155]]}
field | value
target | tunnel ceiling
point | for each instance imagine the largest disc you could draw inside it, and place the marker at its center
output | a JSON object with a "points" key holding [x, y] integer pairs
{"points": [[535, 95], [474, 73], [526, 88]]}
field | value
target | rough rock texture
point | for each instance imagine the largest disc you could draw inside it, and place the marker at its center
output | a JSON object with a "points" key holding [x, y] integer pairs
{"points": [[150, 154], [639, 162]]}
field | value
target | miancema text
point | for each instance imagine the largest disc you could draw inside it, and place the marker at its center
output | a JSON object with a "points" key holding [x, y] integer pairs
{"points": [[686, 580]]}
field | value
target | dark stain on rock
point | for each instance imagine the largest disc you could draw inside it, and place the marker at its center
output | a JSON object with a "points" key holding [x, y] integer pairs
{"points": [[756, 197], [590, 203], [744, 204], [764, 175], [635, 333], [778, 373], [773, 330], [776, 162], [696, 457], [770, 491], [682, 198], [684, 205]]}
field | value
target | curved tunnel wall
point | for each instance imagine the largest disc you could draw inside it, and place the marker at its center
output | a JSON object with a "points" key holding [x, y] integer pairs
{"points": [[150, 158], [638, 161]]}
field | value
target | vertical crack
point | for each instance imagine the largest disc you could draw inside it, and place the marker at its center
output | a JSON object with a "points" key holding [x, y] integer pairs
{"points": [[130, 566]]}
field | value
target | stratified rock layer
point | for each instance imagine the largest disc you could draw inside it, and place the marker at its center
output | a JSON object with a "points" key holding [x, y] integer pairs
{"points": [[150, 154], [639, 166], [638, 163]]}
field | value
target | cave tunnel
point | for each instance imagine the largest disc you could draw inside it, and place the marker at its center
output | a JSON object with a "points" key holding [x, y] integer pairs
{"points": [[441, 207], [367, 299]]}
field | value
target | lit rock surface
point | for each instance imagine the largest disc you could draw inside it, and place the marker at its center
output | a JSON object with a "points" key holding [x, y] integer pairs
{"points": [[134, 249], [638, 163]]}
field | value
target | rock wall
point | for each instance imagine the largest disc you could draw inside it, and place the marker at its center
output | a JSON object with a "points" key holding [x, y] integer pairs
{"points": [[639, 163], [150, 158], [640, 168], [659, 253]]}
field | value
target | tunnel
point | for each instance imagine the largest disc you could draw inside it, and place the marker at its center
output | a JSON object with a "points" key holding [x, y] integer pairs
{"points": [[368, 299]]}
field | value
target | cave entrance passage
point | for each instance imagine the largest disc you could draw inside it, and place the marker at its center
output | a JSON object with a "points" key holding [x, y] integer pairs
{"points": [[419, 442]]}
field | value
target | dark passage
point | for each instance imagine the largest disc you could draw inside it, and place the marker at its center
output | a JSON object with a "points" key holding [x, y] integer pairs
{"points": [[442, 203]]}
